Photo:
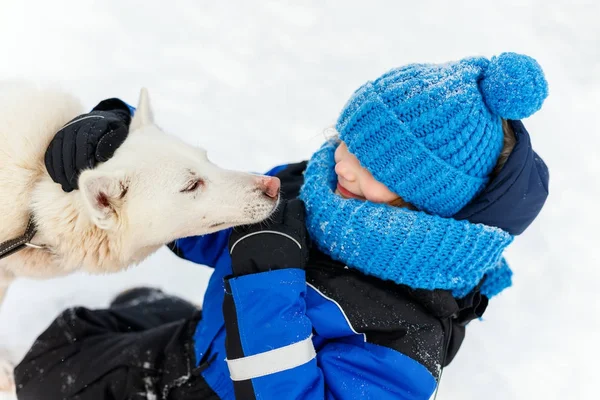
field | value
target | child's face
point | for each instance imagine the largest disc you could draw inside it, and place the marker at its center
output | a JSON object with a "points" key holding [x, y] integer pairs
{"points": [[354, 181]]}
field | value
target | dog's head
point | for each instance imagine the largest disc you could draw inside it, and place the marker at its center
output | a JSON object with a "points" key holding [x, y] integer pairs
{"points": [[157, 188]]}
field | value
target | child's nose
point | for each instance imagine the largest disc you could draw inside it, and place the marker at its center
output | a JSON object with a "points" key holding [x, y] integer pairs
{"points": [[345, 172]]}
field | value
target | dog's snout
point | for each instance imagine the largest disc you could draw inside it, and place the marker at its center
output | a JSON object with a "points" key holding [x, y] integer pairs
{"points": [[270, 186]]}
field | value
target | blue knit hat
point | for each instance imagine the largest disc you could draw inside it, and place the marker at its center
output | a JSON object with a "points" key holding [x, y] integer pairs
{"points": [[432, 133]]}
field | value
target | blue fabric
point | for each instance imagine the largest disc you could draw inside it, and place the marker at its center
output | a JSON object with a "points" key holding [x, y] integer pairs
{"points": [[516, 196], [328, 316], [273, 304], [131, 108], [302, 382], [408, 247], [432, 133], [204, 249], [384, 373]]}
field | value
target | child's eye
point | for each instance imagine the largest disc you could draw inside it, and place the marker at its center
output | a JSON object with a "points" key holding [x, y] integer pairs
{"points": [[193, 185]]}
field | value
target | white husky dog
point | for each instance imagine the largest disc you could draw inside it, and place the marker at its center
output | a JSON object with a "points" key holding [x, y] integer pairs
{"points": [[155, 189]]}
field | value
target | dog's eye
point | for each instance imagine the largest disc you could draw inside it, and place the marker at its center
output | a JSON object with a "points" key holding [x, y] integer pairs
{"points": [[193, 185]]}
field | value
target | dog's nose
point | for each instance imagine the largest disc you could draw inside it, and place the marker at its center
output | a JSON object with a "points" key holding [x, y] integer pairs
{"points": [[270, 186]]}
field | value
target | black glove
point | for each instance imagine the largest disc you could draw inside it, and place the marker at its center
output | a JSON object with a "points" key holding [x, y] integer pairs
{"points": [[281, 242], [87, 140]]}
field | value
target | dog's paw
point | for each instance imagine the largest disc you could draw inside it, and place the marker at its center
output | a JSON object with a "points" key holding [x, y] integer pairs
{"points": [[7, 381]]}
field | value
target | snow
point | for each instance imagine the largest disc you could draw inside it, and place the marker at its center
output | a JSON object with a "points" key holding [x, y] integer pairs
{"points": [[257, 83], [149, 385]]}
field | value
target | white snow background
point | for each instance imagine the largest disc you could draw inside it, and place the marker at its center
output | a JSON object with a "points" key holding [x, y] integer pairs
{"points": [[256, 83]]}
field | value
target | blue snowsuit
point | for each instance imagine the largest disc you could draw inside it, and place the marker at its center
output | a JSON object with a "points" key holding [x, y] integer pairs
{"points": [[277, 309]]}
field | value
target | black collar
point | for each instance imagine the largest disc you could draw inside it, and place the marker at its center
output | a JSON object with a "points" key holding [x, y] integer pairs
{"points": [[17, 244]]}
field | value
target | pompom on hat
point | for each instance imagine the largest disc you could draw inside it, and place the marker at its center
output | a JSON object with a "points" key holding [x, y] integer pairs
{"points": [[513, 86]]}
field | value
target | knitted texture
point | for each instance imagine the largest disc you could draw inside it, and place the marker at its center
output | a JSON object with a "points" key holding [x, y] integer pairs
{"points": [[432, 133], [408, 247]]}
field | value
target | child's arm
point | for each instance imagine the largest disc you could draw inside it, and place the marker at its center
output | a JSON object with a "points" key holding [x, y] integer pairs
{"points": [[80, 145], [270, 351]]}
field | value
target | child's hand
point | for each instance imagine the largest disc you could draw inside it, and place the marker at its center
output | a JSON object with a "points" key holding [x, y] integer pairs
{"points": [[87, 140], [281, 242]]}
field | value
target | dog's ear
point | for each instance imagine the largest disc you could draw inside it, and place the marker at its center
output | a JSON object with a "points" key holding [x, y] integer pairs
{"points": [[103, 195], [143, 113]]}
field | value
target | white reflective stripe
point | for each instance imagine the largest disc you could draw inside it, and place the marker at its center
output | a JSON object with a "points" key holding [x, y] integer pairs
{"points": [[341, 310], [272, 361], [258, 233]]}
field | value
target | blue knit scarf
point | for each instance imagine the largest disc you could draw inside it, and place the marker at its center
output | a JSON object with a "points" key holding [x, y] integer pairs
{"points": [[408, 247]]}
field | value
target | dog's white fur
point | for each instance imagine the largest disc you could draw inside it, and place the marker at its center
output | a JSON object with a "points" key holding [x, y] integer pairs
{"points": [[125, 209]]}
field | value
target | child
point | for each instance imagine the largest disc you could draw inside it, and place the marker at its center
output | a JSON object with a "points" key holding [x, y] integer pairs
{"points": [[409, 213]]}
